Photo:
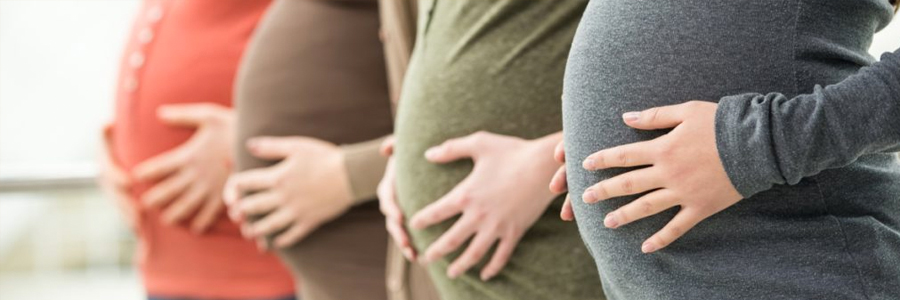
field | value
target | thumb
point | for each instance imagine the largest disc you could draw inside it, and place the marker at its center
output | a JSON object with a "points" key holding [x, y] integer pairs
{"points": [[272, 147], [387, 146], [454, 149], [193, 114], [559, 153], [656, 118]]}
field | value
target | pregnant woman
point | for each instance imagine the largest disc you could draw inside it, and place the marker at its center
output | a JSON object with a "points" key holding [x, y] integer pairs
{"points": [[312, 103], [491, 66], [168, 152], [820, 214]]}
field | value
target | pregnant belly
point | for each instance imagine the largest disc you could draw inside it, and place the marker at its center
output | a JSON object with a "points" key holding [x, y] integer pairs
{"points": [[623, 62]]}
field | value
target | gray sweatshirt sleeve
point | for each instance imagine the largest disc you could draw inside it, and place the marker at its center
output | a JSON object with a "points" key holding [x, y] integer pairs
{"points": [[771, 139]]}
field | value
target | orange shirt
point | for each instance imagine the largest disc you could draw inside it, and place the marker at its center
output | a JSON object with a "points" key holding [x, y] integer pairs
{"points": [[182, 52]]}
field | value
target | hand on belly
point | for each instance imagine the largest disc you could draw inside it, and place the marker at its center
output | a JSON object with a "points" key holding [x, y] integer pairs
{"points": [[187, 180], [682, 169], [293, 198], [499, 201]]}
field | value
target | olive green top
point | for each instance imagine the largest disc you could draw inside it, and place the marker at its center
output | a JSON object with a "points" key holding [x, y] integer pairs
{"points": [[495, 66]]}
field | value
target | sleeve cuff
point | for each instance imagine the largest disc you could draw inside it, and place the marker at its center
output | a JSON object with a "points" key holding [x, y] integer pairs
{"points": [[365, 167], [744, 144]]}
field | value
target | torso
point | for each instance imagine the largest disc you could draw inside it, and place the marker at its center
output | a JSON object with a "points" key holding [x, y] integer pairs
{"points": [[495, 66], [187, 52], [317, 71], [800, 241]]}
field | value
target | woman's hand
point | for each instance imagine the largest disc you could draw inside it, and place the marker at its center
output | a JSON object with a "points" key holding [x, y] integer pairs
{"points": [[387, 201], [189, 178], [683, 170], [306, 189], [116, 182], [501, 199], [559, 184]]}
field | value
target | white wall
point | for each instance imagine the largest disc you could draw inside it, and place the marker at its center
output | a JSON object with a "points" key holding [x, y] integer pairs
{"points": [[58, 63]]}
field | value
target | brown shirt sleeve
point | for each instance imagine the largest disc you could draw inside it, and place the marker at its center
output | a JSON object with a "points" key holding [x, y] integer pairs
{"points": [[365, 165]]}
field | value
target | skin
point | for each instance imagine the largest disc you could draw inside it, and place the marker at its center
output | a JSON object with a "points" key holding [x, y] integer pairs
{"points": [[306, 189], [682, 169], [394, 219], [187, 180], [115, 182], [483, 220]]}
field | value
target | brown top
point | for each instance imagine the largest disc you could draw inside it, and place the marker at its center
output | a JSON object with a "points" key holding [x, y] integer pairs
{"points": [[328, 83], [398, 32]]}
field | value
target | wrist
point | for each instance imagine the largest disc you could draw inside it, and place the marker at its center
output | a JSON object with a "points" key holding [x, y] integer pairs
{"points": [[343, 185], [542, 149]]}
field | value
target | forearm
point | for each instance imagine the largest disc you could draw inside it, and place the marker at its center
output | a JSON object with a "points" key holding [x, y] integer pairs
{"points": [[771, 139], [364, 166]]}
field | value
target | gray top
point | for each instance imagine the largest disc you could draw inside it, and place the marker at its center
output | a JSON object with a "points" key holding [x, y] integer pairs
{"points": [[834, 231]]}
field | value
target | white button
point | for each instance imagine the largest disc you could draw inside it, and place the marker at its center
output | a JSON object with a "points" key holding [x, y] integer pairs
{"points": [[145, 36], [136, 60], [154, 14], [130, 84]]}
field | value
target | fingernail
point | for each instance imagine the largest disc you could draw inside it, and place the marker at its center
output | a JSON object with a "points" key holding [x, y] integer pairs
{"points": [[648, 247], [408, 254], [452, 273], [164, 111], [253, 144], [611, 221], [432, 152], [631, 116], [486, 277], [589, 196], [588, 164]]}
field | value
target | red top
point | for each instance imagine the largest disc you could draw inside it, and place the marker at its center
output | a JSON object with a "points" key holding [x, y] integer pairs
{"points": [[182, 52]]}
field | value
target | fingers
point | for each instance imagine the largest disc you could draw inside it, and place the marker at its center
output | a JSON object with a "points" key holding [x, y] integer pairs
{"points": [[448, 206], [294, 234], [558, 183], [680, 224], [634, 182], [473, 254], [160, 165], [400, 237], [271, 223], [567, 214], [559, 153], [387, 146], [208, 215], [501, 257], [262, 245], [630, 155], [113, 174], [273, 147], [658, 117], [164, 191], [248, 181], [451, 240], [454, 149], [648, 205], [192, 115], [186, 204], [393, 215], [255, 204], [126, 204]]}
